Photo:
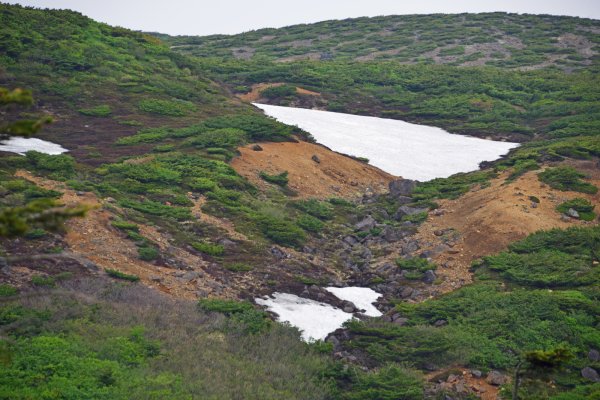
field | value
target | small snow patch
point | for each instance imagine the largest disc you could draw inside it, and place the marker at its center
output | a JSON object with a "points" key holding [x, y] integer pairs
{"points": [[314, 319], [21, 146], [363, 298]]}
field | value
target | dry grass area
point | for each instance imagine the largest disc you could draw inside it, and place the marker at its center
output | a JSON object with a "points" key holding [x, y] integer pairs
{"points": [[335, 175], [489, 219]]}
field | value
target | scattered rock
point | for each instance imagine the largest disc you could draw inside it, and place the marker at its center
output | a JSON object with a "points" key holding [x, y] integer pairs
{"points": [[366, 224], [316, 159], [429, 277], [573, 213], [594, 355], [476, 373], [590, 374], [350, 240], [438, 233], [496, 378], [257, 147], [402, 187], [156, 278], [440, 323], [406, 210], [278, 253]]}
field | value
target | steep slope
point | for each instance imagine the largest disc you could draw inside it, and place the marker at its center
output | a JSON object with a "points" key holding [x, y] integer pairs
{"points": [[499, 39]]}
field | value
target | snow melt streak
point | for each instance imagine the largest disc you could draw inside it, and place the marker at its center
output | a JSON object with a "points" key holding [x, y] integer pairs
{"points": [[408, 150]]}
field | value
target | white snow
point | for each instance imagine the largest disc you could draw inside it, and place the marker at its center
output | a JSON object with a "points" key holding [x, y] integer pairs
{"points": [[362, 297], [21, 146], [408, 150], [314, 319]]}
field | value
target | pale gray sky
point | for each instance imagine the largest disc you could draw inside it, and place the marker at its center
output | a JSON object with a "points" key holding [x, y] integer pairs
{"points": [[205, 17]]}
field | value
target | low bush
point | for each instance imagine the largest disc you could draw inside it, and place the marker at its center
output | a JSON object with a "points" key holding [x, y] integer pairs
{"points": [[316, 208], [148, 253], [238, 267], [225, 306], [7, 290], [103, 110], [566, 178], [125, 225], [209, 248], [278, 91], [310, 223], [174, 108], [584, 208], [113, 273], [279, 179]]}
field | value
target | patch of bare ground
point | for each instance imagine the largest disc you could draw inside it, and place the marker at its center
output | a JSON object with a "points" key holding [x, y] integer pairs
{"points": [[462, 381], [314, 170], [486, 220], [93, 238]]}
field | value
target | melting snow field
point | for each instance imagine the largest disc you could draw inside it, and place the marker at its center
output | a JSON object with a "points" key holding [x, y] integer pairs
{"points": [[315, 319], [363, 298], [21, 146], [400, 148]]}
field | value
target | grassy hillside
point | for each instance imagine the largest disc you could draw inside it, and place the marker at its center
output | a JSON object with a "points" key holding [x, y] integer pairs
{"points": [[497, 39]]}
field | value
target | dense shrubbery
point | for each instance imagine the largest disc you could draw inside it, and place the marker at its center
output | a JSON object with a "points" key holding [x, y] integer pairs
{"points": [[277, 179], [584, 208], [209, 248], [278, 91], [113, 273], [566, 178]]}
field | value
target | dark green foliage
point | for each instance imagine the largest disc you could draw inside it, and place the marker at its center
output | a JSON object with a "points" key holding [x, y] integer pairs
{"points": [[125, 225], [209, 248], [224, 137], [256, 127], [103, 110], [113, 273], [40, 280], [310, 223], [225, 306], [452, 187], [148, 253], [316, 208], [159, 209], [566, 178], [280, 231], [175, 108], [415, 264], [239, 267], [7, 290], [278, 91], [60, 166], [277, 179], [584, 208], [416, 218], [36, 233], [392, 382]]}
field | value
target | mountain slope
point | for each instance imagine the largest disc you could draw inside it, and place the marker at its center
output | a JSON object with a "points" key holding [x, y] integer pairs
{"points": [[498, 39]]}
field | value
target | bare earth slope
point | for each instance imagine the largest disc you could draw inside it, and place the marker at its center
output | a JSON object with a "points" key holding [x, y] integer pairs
{"points": [[335, 175]]}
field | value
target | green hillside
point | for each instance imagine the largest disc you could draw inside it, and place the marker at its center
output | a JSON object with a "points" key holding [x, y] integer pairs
{"points": [[496, 39]]}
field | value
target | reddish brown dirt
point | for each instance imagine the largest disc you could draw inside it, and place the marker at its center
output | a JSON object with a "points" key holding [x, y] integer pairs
{"points": [[335, 176], [254, 94], [464, 382], [93, 238], [489, 219]]}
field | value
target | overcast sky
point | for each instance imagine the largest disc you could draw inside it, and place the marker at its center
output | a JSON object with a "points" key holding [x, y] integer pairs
{"points": [[205, 17]]}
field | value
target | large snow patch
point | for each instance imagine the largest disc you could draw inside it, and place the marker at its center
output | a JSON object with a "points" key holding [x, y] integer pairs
{"points": [[408, 150]]}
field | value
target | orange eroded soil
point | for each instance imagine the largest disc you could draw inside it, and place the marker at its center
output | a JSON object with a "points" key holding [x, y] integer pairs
{"points": [[491, 218], [335, 175], [464, 382], [93, 238]]}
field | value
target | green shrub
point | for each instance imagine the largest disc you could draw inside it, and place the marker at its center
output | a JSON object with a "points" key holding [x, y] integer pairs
{"points": [[416, 218], [7, 290], [209, 248], [39, 280], [566, 178], [278, 91], [148, 253], [279, 179], [238, 267], [113, 273], [280, 231], [125, 225], [98, 111], [225, 306], [316, 208], [584, 208], [202, 184], [310, 223], [174, 108], [391, 382], [36, 233], [224, 137]]}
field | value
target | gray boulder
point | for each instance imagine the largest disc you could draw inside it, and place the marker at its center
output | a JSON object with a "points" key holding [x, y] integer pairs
{"points": [[402, 187], [429, 277], [594, 355], [366, 224], [496, 378], [573, 213], [591, 374], [406, 210]]}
